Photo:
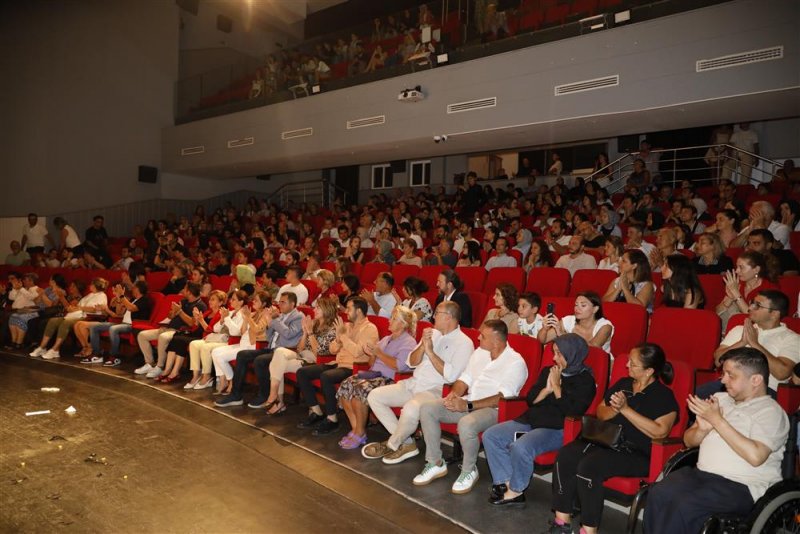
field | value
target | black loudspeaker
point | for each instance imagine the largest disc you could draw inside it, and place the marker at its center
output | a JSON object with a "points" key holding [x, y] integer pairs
{"points": [[148, 175], [398, 166], [189, 5], [264, 177], [224, 24]]}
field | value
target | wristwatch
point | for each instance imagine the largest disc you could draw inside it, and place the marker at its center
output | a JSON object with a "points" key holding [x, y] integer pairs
{"points": [[469, 406]]}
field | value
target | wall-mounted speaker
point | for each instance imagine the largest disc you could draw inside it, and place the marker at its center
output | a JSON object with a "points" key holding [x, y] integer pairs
{"points": [[148, 175], [224, 24]]}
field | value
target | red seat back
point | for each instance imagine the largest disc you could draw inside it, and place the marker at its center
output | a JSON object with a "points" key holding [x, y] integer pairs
{"points": [[478, 302], [370, 272], [668, 329], [513, 275], [157, 280], [400, 272], [473, 334], [381, 323], [630, 325], [548, 282], [713, 288], [430, 273], [790, 285], [313, 289], [472, 277], [421, 326], [531, 350], [596, 280], [563, 306]]}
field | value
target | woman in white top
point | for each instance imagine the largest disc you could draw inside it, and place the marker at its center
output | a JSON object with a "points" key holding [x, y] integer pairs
{"points": [[587, 321], [61, 326], [69, 237], [613, 250], [530, 322], [634, 284], [223, 356], [414, 289]]}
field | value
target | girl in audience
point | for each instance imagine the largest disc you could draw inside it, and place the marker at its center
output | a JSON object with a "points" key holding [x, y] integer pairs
{"points": [[742, 285], [506, 302], [223, 356], [470, 255], [353, 251], [646, 409], [61, 326], [710, 255], [539, 256], [318, 333], [682, 288], [530, 322], [563, 389], [409, 256], [213, 326], [613, 250], [684, 237], [587, 321], [635, 283], [415, 289], [333, 252], [386, 358]]}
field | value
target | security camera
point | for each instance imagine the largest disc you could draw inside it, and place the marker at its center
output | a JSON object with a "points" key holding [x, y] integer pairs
{"points": [[439, 138]]}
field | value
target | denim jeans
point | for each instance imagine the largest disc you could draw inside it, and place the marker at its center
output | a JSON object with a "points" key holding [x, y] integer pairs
{"points": [[512, 461], [114, 330]]}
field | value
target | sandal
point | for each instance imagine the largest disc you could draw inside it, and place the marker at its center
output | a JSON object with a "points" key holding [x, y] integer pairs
{"points": [[280, 411], [169, 379], [355, 442], [346, 440]]}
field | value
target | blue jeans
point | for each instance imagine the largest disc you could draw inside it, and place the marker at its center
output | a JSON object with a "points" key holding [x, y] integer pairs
{"points": [[114, 330], [512, 461]]}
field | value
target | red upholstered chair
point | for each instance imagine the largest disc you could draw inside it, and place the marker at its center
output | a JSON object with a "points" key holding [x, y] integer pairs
{"points": [[472, 277], [478, 302], [400, 272], [157, 280], [160, 312], [713, 288], [695, 346], [430, 273], [513, 275], [596, 280], [381, 323], [421, 326], [548, 282], [563, 306], [531, 349], [222, 283], [370, 272], [790, 285], [633, 489], [473, 334], [313, 289], [630, 325]]}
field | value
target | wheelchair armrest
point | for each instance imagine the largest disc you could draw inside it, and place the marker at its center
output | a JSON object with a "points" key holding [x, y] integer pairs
{"points": [[686, 457], [660, 452], [509, 408]]}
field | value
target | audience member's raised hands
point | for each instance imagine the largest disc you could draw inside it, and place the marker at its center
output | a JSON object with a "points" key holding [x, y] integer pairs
{"points": [[396, 296], [731, 280], [307, 324], [749, 333], [341, 327], [707, 409], [427, 339], [618, 401]]}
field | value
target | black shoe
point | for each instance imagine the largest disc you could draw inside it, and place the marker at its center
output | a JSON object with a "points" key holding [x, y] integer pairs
{"points": [[553, 528], [496, 491], [311, 421], [326, 427], [519, 500]]}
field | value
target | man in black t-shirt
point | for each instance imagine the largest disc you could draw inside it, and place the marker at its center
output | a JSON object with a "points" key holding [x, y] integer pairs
{"points": [[97, 240]]}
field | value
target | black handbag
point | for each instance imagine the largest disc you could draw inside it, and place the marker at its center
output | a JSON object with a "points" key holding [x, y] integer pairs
{"points": [[602, 433]]}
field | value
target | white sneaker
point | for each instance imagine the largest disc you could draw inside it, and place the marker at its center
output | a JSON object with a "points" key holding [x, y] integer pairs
{"points": [[143, 370], [430, 473], [38, 352], [154, 372], [465, 481], [51, 355]]}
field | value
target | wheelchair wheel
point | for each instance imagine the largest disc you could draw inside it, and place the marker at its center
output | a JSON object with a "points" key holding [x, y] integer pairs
{"points": [[780, 515]]}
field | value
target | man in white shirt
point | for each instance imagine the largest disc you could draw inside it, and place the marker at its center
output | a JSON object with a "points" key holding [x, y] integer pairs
{"points": [[382, 301], [747, 140], [439, 359], [34, 235], [464, 234], [501, 259], [576, 258], [636, 239], [494, 370], [558, 240], [742, 437], [293, 276]]}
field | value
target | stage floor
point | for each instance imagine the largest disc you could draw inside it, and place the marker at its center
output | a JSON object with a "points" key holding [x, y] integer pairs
{"points": [[173, 463]]}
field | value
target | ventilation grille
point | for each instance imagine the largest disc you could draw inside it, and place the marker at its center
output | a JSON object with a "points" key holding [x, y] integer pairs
{"points": [[368, 121], [192, 150], [237, 143], [743, 58], [472, 105], [587, 85], [294, 134]]}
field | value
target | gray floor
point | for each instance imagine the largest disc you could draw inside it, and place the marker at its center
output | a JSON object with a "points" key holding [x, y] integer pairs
{"points": [[193, 469]]}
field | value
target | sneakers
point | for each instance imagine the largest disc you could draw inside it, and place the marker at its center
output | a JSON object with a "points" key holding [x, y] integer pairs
{"points": [[311, 421], [51, 355], [143, 370], [465, 481], [375, 450], [228, 400], [38, 352], [406, 451], [430, 473], [112, 362], [325, 427], [258, 402], [92, 359], [155, 372]]}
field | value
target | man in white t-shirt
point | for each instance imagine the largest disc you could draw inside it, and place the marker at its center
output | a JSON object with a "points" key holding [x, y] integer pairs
{"points": [[501, 259], [741, 434], [494, 370], [636, 239], [558, 239], [34, 235], [381, 301], [747, 140], [293, 276], [576, 259]]}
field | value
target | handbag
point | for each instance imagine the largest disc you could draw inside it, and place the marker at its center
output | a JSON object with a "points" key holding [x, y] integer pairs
{"points": [[602, 433]]}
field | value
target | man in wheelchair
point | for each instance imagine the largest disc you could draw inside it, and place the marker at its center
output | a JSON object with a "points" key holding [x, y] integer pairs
{"points": [[741, 434]]}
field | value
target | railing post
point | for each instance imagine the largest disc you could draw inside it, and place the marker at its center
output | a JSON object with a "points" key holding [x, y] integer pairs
{"points": [[674, 167]]}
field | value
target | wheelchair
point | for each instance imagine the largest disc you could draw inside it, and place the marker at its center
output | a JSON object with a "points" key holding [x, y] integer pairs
{"points": [[776, 512]]}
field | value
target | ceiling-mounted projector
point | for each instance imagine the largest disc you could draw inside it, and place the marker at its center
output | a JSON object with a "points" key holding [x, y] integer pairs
{"points": [[411, 95]]}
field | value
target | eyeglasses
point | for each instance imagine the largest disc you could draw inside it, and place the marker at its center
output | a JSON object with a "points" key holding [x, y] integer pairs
{"points": [[756, 304]]}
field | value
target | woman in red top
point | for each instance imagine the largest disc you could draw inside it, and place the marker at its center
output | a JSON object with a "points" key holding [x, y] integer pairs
{"points": [[750, 277]]}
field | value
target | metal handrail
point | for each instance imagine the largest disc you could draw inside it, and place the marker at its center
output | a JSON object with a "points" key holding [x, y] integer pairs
{"points": [[322, 191], [616, 171]]}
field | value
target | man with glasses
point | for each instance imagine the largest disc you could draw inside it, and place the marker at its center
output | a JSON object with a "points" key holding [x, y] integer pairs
{"points": [[440, 357], [762, 330]]}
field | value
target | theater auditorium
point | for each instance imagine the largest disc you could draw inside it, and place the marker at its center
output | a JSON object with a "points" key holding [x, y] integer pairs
{"points": [[400, 266]]}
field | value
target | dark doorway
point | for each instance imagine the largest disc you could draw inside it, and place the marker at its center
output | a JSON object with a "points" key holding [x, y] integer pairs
{"points": [[347, 181]]}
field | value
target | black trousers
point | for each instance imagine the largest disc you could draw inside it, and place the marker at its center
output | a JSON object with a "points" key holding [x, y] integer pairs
{"points": [[329, 375], [579, 473], [243, 358], [686, 498]]}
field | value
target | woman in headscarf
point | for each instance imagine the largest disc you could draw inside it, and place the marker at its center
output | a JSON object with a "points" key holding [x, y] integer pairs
{"points": [[565, 388], [524, 239], [385, 254], [608, 222]]}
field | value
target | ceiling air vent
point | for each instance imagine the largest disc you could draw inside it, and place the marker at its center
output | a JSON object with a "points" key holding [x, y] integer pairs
{"points": [[294, 134], [192, 150], [742, 58], [368, 121], [587, 85], [237, 143], [472, 105]]}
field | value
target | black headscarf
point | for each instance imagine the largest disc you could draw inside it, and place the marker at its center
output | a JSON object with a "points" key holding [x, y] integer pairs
{"points": [[574, 349]]}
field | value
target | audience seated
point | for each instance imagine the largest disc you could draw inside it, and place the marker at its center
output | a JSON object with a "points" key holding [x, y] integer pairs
{"points": [[382, 301], [293, 276], [415, 290], [506, 302], [530, 322], [682, 288], [710, 255], [576, 258], [634, 284], [587, 321], [215, 334], [751, 275], [449, 286]]}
